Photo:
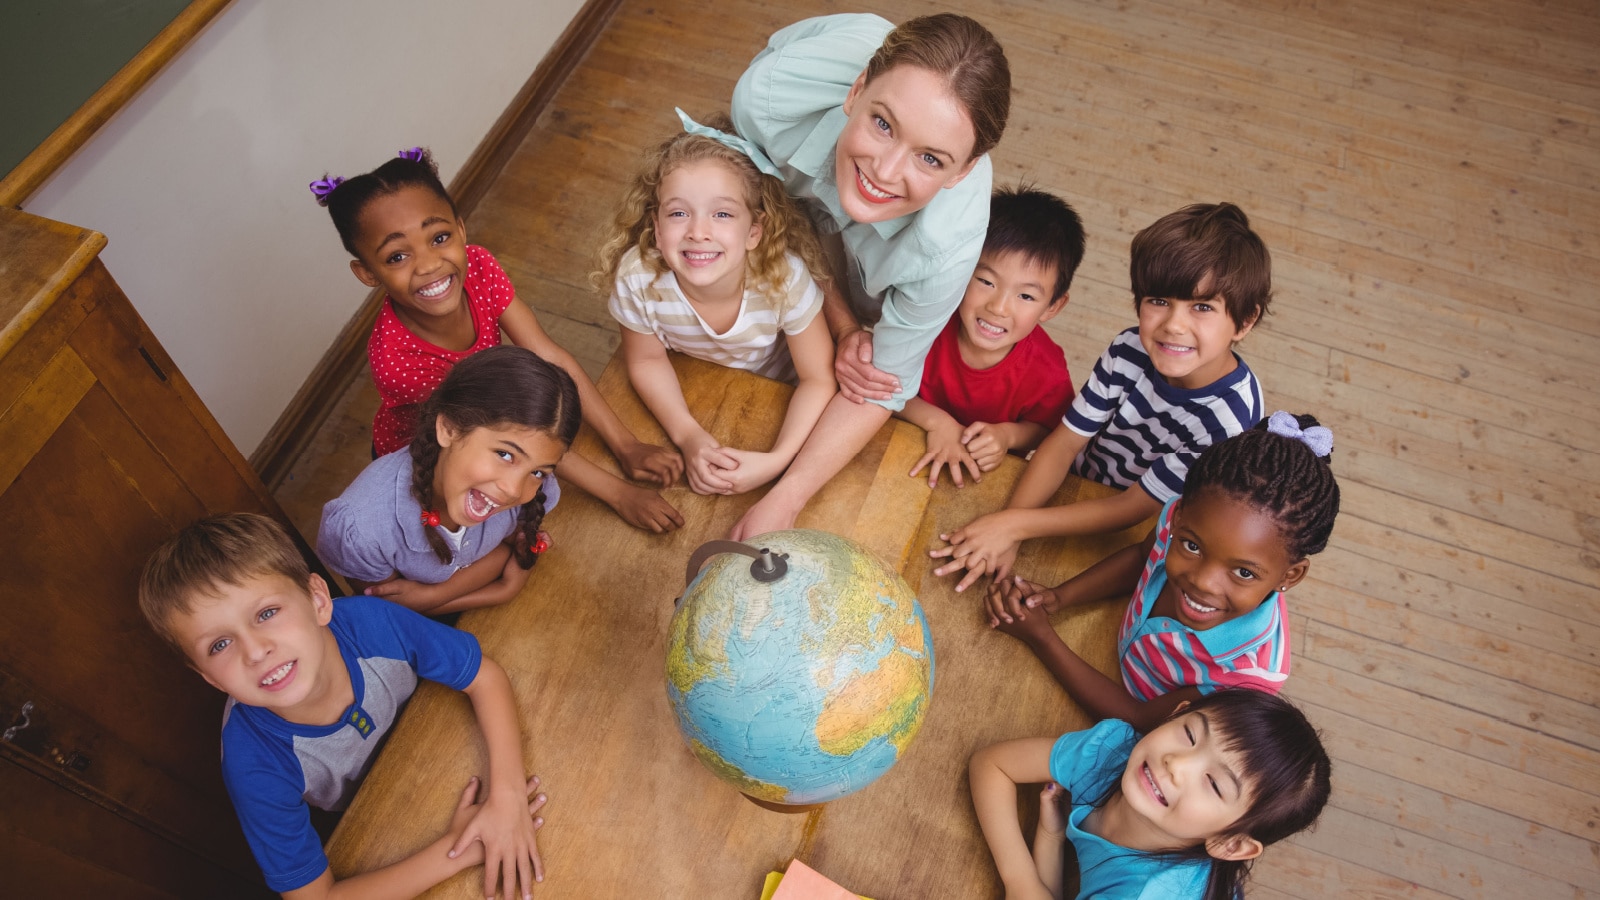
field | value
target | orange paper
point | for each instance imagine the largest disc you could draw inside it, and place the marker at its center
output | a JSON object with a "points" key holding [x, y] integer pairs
{"points": [[802, 882]]}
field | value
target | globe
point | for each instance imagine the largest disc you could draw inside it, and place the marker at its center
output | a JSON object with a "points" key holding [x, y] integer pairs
{"points": [[800, 688]]}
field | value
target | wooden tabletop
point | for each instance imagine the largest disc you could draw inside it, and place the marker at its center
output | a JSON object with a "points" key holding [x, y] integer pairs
{"points": [[632, 813]]}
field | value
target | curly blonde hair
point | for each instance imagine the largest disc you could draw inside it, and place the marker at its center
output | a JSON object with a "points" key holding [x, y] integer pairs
{"points": [[784, 228]]}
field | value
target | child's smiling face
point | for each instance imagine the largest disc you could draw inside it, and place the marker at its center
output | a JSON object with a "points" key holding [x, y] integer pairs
{"points": [[1007, 296], [1224, 559], [414, 247], [1190, 342], [705, 229], [484, 470], [1185, 787], [264, 642]]}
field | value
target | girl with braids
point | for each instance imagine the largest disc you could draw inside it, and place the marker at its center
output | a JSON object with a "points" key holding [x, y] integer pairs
{"points": [[709, 257], [1208, 609], [452, 521], [1179, 813], [446, 300]]}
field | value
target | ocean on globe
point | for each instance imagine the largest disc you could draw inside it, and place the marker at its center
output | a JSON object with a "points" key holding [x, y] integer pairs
{"points": [[805, 689]]}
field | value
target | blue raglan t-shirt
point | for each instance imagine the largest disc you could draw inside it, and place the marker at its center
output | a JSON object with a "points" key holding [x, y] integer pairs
{"points": [[276, 770]]}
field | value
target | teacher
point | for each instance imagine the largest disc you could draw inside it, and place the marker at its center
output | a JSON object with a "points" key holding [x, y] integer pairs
{"points": [[882, 133]]}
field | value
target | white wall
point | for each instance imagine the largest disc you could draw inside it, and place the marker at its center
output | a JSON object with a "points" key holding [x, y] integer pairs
{"points": [[200, 182]]}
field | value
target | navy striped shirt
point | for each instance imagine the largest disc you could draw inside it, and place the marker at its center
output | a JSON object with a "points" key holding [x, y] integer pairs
{"points": [[1142, 429]]}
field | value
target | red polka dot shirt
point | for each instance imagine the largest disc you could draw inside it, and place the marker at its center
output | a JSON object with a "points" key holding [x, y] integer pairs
{"points": [[407, 368]]}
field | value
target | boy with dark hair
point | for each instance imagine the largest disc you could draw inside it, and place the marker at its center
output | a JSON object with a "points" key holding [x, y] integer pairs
{"points": [[1161, 393], [994, 382], [314, 686]]}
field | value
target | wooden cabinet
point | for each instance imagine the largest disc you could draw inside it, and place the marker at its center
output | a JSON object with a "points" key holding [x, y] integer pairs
{"points": [[110, 781]]}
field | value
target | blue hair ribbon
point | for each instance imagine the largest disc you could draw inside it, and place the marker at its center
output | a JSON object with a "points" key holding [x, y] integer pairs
{"points": [[732, 142], [1319, 439]]}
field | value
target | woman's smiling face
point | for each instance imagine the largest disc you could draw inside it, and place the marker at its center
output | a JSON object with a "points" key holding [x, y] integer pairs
{"points": [[907, 138]]}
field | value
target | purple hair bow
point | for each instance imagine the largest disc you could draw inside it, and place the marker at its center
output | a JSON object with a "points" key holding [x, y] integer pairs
{"points": [[415, 154], [322, 187], [1319, 439]]}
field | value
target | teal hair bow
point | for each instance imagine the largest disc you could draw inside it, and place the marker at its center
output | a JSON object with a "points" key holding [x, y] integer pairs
{"points": [[731, 141]]}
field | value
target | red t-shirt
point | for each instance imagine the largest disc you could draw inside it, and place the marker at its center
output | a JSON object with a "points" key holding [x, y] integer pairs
{"points": [[1030, 385], [407, 368]]}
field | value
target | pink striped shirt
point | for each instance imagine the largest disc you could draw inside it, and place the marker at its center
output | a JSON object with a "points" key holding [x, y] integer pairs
{"points": [[1160, 655]]}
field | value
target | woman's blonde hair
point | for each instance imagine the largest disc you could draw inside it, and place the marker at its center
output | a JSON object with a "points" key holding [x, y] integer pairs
{"points": [[784, 228]]}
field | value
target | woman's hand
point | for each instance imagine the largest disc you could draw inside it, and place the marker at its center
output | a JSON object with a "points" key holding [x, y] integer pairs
{"points": [[852, 366], [650, 463]]}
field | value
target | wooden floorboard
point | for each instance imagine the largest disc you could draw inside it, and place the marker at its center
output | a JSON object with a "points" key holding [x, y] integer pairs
{"points": [[1427, 176]]}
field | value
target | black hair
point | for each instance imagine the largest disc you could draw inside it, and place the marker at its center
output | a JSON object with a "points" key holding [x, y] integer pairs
{"points": [[1281, 476], [1281, 757], [349, 199], [1042, 227], [498, 386], [1177, 253]]}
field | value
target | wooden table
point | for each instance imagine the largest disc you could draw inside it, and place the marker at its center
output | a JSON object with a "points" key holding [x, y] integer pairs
{"points": [[632, 813]]}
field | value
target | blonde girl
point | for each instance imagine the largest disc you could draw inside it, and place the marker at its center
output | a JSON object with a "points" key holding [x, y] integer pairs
{"points": [[709, 257]]}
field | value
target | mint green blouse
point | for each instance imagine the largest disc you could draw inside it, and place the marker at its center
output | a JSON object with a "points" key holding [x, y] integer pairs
{"points": [[913, 269]]}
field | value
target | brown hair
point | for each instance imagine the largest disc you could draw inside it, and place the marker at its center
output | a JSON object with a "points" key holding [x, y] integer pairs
{"points": [[217, 550], [784, 229], [350, 198], [967, 56], [1174, 256], [498, 386]]}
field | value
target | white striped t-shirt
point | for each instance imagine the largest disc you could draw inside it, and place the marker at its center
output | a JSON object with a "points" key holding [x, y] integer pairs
{"points": [[648, 303], [1144, 430]]}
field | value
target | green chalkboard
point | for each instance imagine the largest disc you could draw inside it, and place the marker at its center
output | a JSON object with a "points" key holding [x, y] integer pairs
{"points": [[54, 54]]}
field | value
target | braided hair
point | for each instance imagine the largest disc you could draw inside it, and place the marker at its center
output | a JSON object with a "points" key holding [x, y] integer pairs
{"points": [[1279, 475], [347, 198], [499, 386]]}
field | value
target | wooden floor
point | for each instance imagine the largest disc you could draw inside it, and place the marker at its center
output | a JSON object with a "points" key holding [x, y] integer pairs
{"points": [[1427, 176]]}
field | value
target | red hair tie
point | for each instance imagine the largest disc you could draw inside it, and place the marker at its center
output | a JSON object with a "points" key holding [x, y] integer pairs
{"points": [[541, 543], [430, 517]]}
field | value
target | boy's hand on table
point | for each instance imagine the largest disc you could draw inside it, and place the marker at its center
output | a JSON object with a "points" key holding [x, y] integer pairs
{"points": [[500, 832], [945, 448], [987, 443], [650, 463], [984, 547]]}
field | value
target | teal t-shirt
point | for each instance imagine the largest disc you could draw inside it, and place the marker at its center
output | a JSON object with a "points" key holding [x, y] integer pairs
{"points": [[1089, 764]]}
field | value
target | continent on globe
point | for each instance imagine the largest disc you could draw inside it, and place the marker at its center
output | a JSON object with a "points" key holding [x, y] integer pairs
{"points": [[807, 688]]}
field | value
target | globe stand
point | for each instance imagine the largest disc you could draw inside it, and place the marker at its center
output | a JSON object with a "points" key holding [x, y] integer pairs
{"points": [[788, 808], [766, 568]]}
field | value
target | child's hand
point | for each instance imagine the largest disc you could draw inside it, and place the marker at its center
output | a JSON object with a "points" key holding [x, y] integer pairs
{"points": [[1052, 819], [986, 546], [753, 469], [1003, 601], [1028, 627], [647, 462], [501, 832], [987, 443], [945, 448], [411, 594], [706, 459], [646, 509], [1033, 595]]}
